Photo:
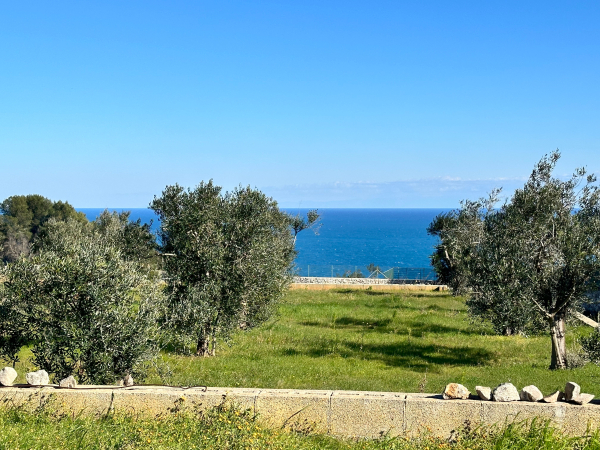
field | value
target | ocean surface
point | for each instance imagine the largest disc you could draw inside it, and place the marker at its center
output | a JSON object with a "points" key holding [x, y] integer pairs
{"points": [[349, 239]]}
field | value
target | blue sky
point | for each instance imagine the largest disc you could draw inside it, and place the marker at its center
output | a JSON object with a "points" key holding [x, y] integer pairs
{"points": [[345, 104]]}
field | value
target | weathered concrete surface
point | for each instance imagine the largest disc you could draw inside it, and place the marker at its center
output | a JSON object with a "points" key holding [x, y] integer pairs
{"points": [[437, 416], [373, 414], [506, 412], [295, 409], [340, 413]]}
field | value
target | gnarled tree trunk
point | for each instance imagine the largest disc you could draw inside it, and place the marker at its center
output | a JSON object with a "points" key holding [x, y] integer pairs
{"points": [[559, 347], [213, 350], [207, 343], [202, 347]]}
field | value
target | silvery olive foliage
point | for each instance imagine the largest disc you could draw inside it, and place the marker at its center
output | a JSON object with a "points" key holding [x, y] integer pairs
{"points": [[590, 346], [227, 260], [86, 308], [528, 264], [134, 239], [299, 223], [459, 231]]}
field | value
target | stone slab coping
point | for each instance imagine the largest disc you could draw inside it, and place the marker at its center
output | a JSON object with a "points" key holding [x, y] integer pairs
{"points": [[336, 412]]}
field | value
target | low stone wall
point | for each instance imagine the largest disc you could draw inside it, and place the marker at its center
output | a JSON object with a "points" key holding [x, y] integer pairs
{"points": [[319, 283], [361, 281], [339, 413]]}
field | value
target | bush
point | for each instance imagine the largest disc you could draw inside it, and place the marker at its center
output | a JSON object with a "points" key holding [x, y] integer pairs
{"points": [[227, 260], [591, 346], [85, 309]]}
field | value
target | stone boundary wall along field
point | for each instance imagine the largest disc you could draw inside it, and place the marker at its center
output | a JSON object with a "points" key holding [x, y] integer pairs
{"points": [[321, 283], [339, 413]]}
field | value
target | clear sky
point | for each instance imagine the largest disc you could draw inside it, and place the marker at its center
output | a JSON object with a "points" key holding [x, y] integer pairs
{"points": [[318, 103]]}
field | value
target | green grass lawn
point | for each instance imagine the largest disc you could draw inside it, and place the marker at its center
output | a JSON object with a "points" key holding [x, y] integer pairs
{"points": [[370, 340], [344, 339]]}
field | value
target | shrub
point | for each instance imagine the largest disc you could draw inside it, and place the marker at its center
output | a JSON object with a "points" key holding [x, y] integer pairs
{"points": [[227, 260], [85, 309], [591, 346]]}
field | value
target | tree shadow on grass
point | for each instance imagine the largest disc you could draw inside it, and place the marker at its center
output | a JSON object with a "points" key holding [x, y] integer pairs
{"points": [[411, 354], [361, 291], [417, 328], [399, 306], [376, 293], [436, 328], [348, 322]]}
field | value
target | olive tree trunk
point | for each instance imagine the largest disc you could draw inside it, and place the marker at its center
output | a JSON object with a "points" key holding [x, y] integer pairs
{"points": [[207, 344], [202, 346], [559, 347]]}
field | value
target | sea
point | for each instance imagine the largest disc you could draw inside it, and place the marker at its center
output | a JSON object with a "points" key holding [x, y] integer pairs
{"points": [[348, 240]]}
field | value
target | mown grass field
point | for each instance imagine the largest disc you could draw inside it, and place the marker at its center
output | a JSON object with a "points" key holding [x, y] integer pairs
{"points": [[371, 340]]}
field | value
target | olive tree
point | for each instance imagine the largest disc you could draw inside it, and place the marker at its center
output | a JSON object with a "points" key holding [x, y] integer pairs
{"points": [[227, 260], [134, 238], [299, 223], [529, 263], [458, 232], [85, 308]]}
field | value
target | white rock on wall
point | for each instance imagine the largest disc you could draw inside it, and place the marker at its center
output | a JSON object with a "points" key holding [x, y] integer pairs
{"points": [[572, 390], [485, 393], [38, 378], [506, 392], [531, 394], [68, 382], [455, 391], [7, 376]]}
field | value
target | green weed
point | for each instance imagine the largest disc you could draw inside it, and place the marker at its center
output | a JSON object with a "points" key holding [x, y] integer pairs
{"points": [[231, 428]]}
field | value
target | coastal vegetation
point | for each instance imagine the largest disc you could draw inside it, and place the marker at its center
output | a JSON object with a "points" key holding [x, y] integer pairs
{"points": [[98, 299], [401, 341], [83, 302], [227, 261], [528, 265], [23, 217], [231, 428]]}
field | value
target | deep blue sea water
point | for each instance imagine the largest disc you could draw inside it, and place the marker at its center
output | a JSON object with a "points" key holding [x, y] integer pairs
{"points": [[350, 239]]}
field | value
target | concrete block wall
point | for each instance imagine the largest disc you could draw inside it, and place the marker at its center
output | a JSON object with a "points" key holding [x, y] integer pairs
{"points": [[339, 413]]}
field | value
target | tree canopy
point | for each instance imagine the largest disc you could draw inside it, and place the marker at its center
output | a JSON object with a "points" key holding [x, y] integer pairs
{"points": [[227, 259], [84, 304], [528, 264], [299, 223], [23, 216]]}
